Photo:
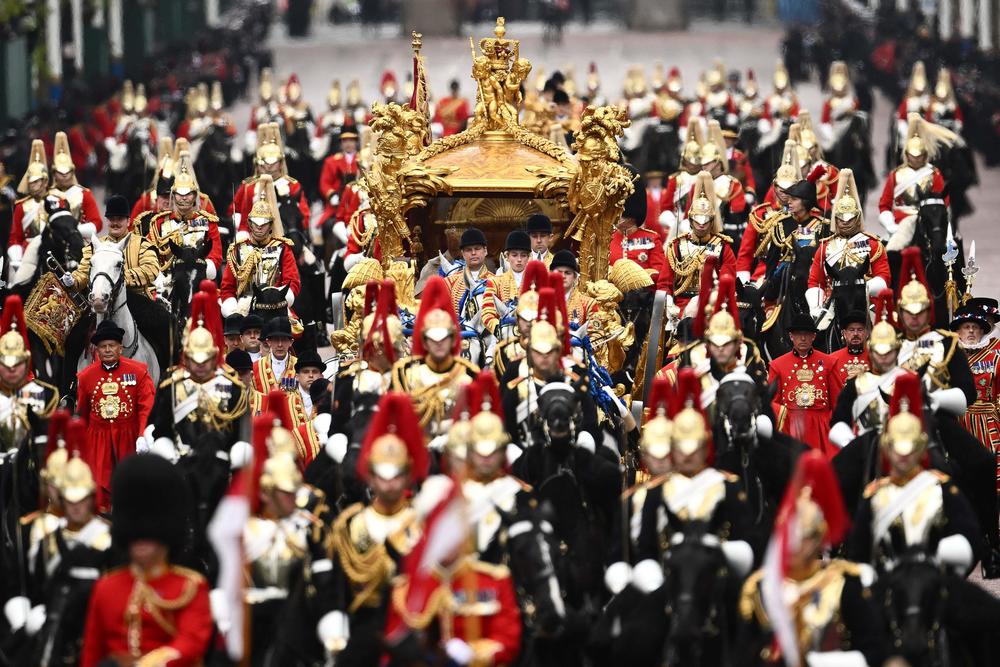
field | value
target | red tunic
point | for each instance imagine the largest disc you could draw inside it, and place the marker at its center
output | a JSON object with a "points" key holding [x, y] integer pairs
{"points": [[677, 251], [847, 364], [243, 200], [288, 274], [115, 404], [88, 213], [808, 388], [751, 239], [477, 605], [827, 114], [264, 379], [739, 167], [643, 246], [452, 113], [655, 202], [200, 218], [333, 180], [982, 418], [180, 635], [867, 245], [900, 206], [147, 202]]}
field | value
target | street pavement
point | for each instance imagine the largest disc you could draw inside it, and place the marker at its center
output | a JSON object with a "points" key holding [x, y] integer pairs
{"points": [[347, 53]]}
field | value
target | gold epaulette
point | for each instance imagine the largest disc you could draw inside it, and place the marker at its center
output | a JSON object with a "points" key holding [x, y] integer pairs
{"points": [[728, 476], [249, 180], [205, 214], [282, 239], [942, 477], [516, 381], [727, 239], [22, 200], [490, 569], [468, 364], [179, 373], [874, 486], [187, 573]]}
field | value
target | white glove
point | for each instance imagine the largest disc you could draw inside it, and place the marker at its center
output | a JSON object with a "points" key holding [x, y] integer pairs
{"points": [[229, 306], [333, 630], [743, 276], [35, 621], [220, 610], [165, 447], [955, 552], [888, 220], [952, 401], [210, 270], [336, 446], [16, 610], [749, 198], [240, 454], [334, 199], [289, 298], [160, 283], [14, 254], [841, 434], [617, 577], [438, 443], [340, 231], [814, 298], [836, 659], [459, 651], [585, 440], [67, 279], [876, 285], [739, 555], [647, 575], [242, 235]]}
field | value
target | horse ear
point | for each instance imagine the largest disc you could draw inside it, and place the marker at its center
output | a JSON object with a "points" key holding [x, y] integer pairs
{"points": [[284, 290]]}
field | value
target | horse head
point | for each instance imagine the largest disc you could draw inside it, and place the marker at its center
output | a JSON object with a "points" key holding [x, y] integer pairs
{"points": [[932, 220], [66, 240], [694, 569], [737, 404], [914, 599], [268, 302], [532, 545], [106, 277]]}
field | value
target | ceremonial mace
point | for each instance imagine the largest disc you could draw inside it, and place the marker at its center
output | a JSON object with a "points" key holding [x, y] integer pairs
{"points": [[969, 271], [950, 286]]}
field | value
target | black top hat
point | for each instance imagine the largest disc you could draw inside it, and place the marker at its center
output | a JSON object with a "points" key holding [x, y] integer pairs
{"points": [[472, 236], [239, 361], [991, 307], [566, 259], [538, 223], [277, 327], [116, 207], [971, 314], [107, 330], [804, 190], [251, 321], [309, 359], [635, 205], [139, 487], [164, 184], [801, 322], [233, 326], [518, 240], [318, 388]]}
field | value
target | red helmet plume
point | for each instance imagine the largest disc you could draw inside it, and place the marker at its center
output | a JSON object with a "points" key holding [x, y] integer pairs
{"points": [[57, 430], [436, 296], [484, 394], [816, 173], [708, 271], [659, 400], [536, 275], [814, 472], [562, 326], [395, 416], [384, 308]]}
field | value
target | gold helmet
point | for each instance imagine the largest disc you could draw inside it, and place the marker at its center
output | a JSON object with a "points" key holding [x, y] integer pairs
{"points": [[925, 138], [544, 338], [354, 93], [703, 202], [76, 481], [55, 465], [459, 437], [839, 80], [690, 430], [265, 206], [56, 452], [333, 96], [656, 435], [780, 76], [14, 348], [904, 432], [185, 181], [128, 97], [884, 338], [691, 151], [714, 150], [659, 79], [715, 76], [37, 166], [281, 472], [141, 102], [807, 133], [943, 89], [846, 204], [204, 339], [216, 101], [790, 171], [293, 89], [269, 146], [487, 433], [918, 80], [527, 306], [914, 296], [569, 72], [62, 160], [639, 81], [266, 85]]}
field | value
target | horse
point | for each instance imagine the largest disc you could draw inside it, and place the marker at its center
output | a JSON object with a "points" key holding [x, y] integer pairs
{"points": [[130, 172], [848, 294], [206, 471], [108, 301], [218, 166], [852, 148], [763, 462], [786, 286]]}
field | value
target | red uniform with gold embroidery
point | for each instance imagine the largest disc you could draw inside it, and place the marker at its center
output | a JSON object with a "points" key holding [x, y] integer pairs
{"points": [[901, 192], [677, 195], [752, 238], [643, 246], [480, 300], [982, 419], [284, 187], [837, 253], [165, 619], [682, 264], [452, 113], [147, 202], [808, 387], [265, 379], [27, 224], [477, 605], [115, 404], [847, 364], [337, 171]]}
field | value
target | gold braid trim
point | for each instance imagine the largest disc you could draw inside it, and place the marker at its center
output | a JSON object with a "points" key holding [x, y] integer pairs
{"points": [[143, 596], [158, 657], [439, 601], [244, 272], [369, 570], [429, 403]]}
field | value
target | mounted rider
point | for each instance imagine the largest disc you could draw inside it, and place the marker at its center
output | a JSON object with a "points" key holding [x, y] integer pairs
{"points": [[805, 135], [916, 100], [29, 215], [510, 351], [186, 225], [686, 254], [839, 107], [473, 291], [264, 259], [23, 399], [944, 109], [677, 197], [850, 258], [917, 177], [291, 200], [65, 185], [729, 195], [157, 198], [266, 110]]}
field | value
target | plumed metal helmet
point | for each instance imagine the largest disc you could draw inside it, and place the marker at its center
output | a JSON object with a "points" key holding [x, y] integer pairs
{"points": [[150, 501], [914, 295], [76, 481], [37, 166], [904, 432], [884, 337], [14, 347]]}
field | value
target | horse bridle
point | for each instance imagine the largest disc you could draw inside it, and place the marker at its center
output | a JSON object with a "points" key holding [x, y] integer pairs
{"points": [[116, 288]]}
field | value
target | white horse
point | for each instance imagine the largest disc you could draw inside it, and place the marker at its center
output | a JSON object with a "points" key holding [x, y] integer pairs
{"points": [[107, 300]]}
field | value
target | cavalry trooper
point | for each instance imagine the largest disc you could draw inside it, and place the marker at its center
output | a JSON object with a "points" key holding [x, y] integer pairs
{"points": [[65, 186], [435, 371], [201, 394], [839, 107], [339, 170], [782, 105], [680, 184], [157, 198], [266, 110], [915, 100], [186, 225], [510, 351], [147, 201], [943, 108], [22, 398], [800, 607], [851, 261], [130, 606], [65, 558], [269, 159], [330, 123], [579, 306], [635, 237], [808, 386], [451, 111], [944, 368], [114, 399], [813, 162], [916, 177], [30, 216], [282, 542], [729, 195], [686, 254], [749, 262], [693, 490], [971, 325], [911, 507], [473, 288], [369, 540], [262, 259]]}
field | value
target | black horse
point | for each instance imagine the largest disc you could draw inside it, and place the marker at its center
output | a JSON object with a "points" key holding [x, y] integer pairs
{"points": [[853, 150], [215, 167], [659, 149], [206, 471], [785, 285]]}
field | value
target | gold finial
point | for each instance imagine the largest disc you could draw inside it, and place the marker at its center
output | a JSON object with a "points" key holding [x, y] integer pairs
{"points": [[417, 41], [501, 28]]}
